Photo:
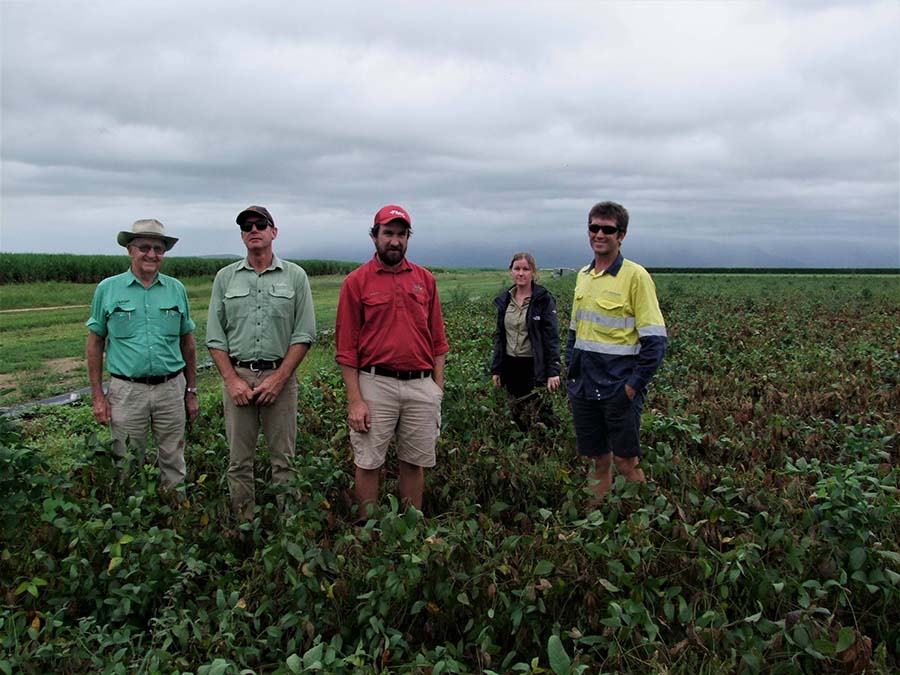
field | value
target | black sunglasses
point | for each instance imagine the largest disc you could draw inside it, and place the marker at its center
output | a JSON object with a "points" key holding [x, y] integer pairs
{"points": [[258, 224], [605, 229]]}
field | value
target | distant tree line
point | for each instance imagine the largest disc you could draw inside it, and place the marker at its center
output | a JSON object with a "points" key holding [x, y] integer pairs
{"points": [[38, 267], [773, 270]]}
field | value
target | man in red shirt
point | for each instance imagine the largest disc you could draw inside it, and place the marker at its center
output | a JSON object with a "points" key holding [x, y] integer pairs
{"points": [[391, 346]]}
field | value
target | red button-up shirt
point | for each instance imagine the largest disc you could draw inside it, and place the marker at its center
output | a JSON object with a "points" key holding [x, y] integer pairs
{"points": [[389, 317]]}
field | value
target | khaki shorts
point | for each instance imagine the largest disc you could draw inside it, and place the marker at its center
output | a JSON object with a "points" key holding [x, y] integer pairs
{"points": [[409, 410]]}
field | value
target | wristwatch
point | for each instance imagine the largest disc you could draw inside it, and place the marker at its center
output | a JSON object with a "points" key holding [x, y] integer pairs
{"points": [[190, 390]]}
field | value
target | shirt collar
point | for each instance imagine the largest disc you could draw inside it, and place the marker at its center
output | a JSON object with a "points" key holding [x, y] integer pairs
{"points": [[132, 279], [612, 269], [276, 264], [380, 266]]}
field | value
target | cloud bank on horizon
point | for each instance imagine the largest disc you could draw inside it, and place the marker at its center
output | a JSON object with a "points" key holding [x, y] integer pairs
{"points": [[739, 133]]}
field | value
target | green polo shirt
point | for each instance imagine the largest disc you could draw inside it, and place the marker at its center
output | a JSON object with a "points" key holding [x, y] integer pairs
{"points": [[142, 326], [258, 316]]}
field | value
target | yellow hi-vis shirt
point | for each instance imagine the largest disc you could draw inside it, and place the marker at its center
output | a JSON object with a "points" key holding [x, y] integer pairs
{"points": [[617, 334]]}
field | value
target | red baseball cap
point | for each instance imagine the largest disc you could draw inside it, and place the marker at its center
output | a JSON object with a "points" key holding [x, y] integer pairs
{"points": [[392, 212]]}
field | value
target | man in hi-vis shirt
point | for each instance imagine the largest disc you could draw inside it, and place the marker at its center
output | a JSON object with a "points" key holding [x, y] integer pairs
{"points": [[617, 339]]}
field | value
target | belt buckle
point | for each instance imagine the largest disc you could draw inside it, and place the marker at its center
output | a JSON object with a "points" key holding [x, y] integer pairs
{"points": [[252, 369]]}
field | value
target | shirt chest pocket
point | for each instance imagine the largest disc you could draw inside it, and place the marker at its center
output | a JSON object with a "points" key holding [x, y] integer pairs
{"points": [[614, 314], [281, 301], [375, 306], [418, 304], [610, 306], [170, 320], [122, 322], [237, 303]]}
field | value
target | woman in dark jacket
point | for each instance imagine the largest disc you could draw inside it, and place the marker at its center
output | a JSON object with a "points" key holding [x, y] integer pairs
{"points": [[526, 341]]}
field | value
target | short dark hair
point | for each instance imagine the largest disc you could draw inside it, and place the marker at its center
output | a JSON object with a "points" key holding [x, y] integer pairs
{"points": [[610, 211], [374, 231]]}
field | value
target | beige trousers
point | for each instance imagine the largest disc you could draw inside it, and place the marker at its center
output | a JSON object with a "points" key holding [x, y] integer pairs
{"points": [[139, 408], [242, 424]]}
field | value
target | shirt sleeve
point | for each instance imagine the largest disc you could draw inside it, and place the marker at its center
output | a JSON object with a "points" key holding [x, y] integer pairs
{"points": [[187, 324], [551, 338], [439, 344], [347, 325], [304, 331], [96, 323], [570, 336], [497, 356], [215, 321], [651, 330]]}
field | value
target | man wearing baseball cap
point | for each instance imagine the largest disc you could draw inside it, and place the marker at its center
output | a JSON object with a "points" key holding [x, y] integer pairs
{"points": [[261, 324], [391, 346], [141, 318]]}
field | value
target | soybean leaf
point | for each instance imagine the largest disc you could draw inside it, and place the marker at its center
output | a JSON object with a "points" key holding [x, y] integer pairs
{"points": [[845, 639], [294, 664], [559, 659], [543, 568]]}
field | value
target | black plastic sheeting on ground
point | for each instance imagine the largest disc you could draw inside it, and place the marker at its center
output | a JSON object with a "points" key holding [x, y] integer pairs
{"points": [[66, 399]]}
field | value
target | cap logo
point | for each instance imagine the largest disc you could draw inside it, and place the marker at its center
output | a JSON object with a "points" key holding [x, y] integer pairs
{"points": [[395, 212]]}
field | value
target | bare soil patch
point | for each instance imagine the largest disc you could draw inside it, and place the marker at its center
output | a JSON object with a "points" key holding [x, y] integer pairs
{"points": [[63, 366]]}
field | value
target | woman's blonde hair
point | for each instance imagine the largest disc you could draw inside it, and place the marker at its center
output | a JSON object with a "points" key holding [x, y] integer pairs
{"points": [[527, 257]]}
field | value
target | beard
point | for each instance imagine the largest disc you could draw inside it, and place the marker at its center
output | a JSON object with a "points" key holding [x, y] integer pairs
{"points": [[390, 256]]}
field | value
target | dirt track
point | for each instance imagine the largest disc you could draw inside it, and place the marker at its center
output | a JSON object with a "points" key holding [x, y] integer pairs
{"points": [[40, 309]]}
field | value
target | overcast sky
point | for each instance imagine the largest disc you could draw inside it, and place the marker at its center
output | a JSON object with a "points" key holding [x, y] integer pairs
{"points": [[736, 133]]}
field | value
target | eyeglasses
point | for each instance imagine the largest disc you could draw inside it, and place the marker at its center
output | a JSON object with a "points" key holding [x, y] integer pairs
{"points": [[260, 225], [146, 248], [605, 229]]}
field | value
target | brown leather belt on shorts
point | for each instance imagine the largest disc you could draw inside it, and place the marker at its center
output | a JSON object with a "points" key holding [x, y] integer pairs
{"points": [[257, 366], [150, 379], [397, 374]]}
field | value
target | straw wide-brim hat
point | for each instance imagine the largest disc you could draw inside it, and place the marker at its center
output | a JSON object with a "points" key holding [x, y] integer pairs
{"points": [[150, 228]]}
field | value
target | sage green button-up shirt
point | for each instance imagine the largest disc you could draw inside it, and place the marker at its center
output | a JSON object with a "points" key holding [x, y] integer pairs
{"points": [[258, 316], [142, 326], [517, 341]]}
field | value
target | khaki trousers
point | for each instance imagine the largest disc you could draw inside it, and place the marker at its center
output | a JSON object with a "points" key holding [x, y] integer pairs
{"points": [[138, 408], [242, 423]]}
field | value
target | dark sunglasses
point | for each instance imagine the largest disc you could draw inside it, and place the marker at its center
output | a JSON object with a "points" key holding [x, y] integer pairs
{"points": [[258, 224], [605, 229]]}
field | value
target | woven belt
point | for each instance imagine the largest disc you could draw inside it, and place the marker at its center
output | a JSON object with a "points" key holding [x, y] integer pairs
{"points": [[397, 374], [150, 379], [257, 366]]}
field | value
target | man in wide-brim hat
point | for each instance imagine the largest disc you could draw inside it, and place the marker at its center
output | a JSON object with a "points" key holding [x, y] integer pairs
{"points": [[150, 229], [142, 320]]}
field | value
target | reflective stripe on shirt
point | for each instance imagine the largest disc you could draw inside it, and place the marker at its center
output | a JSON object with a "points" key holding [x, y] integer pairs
{"points": [[606, 348], [647, 331], [601, 320]]}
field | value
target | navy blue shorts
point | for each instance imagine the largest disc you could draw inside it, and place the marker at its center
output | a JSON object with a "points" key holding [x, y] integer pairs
{"points": [[609, 425]]}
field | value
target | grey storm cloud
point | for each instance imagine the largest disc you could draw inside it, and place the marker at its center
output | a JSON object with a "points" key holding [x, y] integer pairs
{"points": [[739, 133]]}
